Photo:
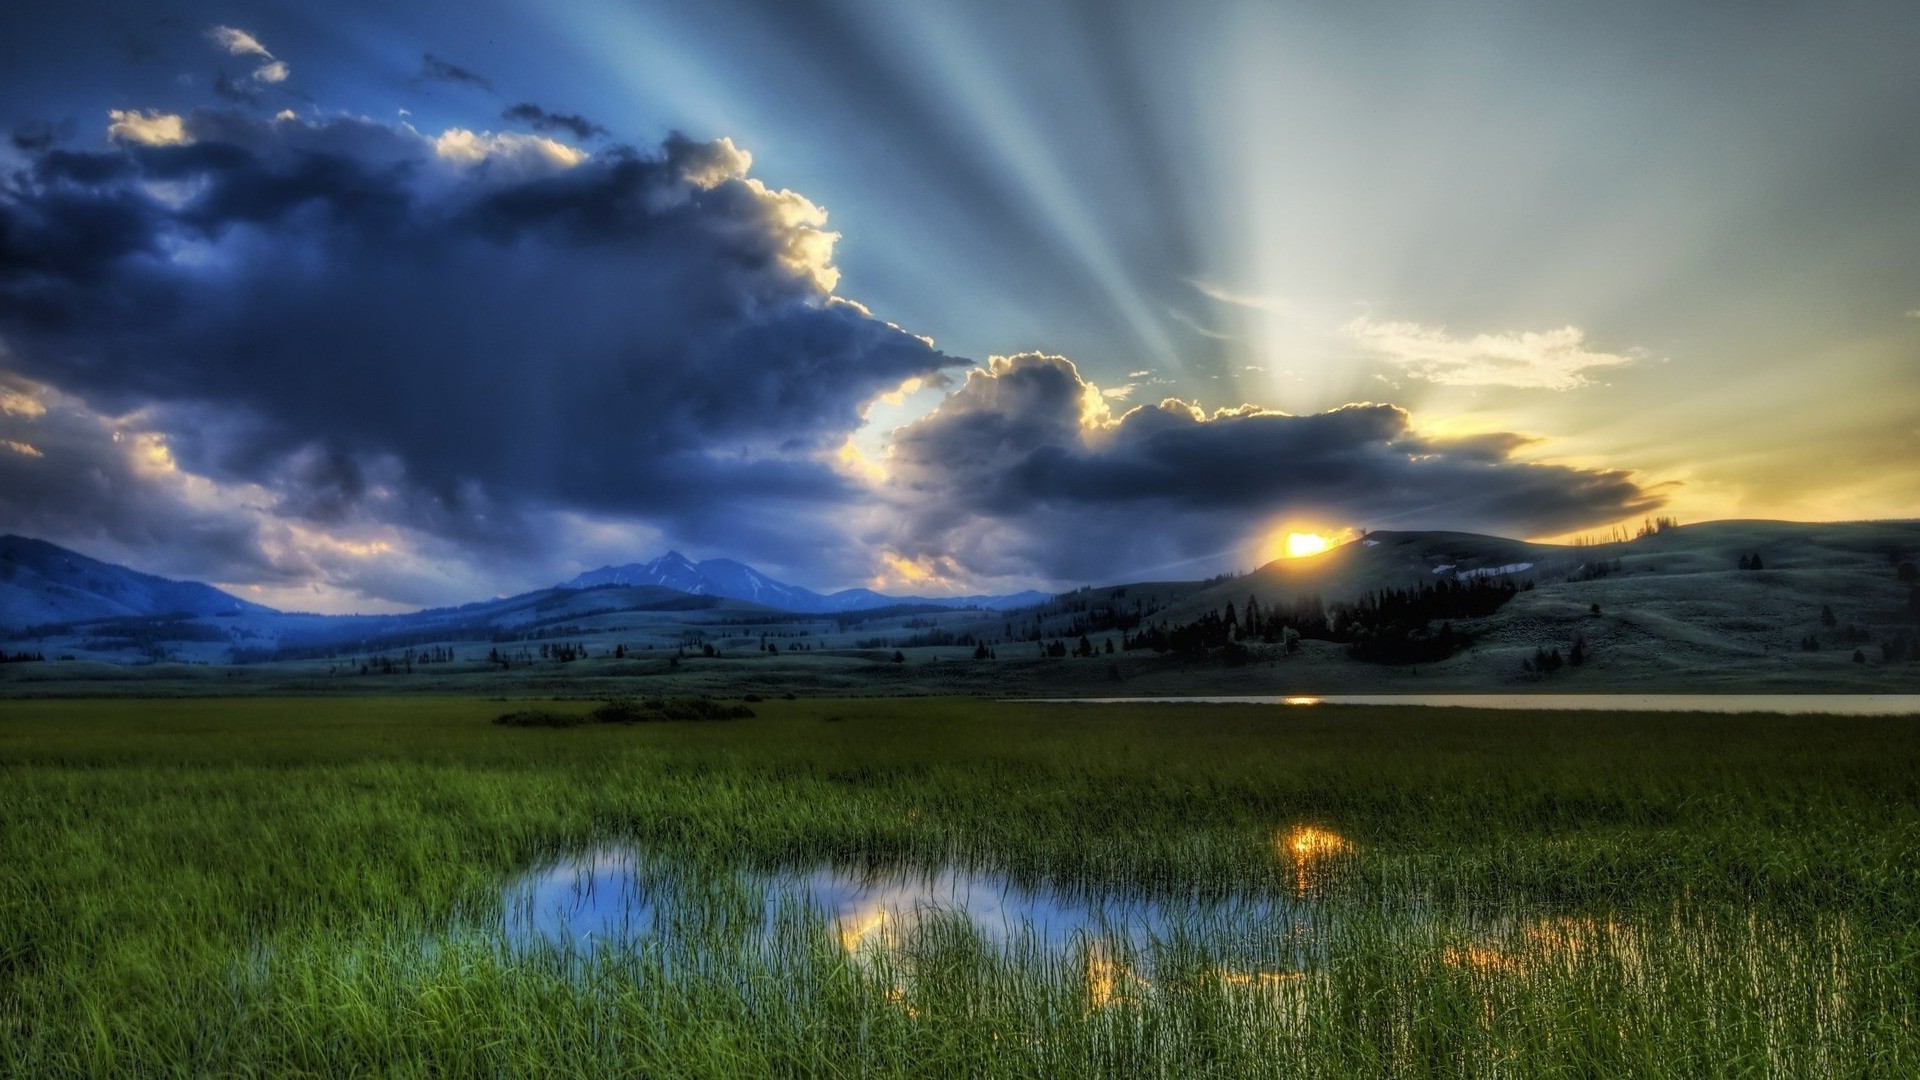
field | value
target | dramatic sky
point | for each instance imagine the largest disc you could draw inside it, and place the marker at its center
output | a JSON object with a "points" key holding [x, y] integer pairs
{"points": [[355, 306]]}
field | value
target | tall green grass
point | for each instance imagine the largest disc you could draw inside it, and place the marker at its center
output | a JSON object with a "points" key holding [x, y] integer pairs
{"points": [[313, 887]]}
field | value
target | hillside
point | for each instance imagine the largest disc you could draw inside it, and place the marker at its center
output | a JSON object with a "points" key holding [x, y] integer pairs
{"points": [[1680, 610], [1674, 603], [42, 583]]}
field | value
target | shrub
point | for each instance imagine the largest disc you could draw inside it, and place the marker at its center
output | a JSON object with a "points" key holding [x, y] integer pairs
{"points": [[628, 711], [539, 718]]}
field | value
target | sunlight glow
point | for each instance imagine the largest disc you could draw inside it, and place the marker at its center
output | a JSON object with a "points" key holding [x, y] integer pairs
{"points": [[1111, 982], [854, 932], [1310, 848], [1302, 540], [1307, 842], [1300, 545]]}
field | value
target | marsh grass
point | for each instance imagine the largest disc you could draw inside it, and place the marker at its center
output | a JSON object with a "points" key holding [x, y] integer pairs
{"points": [[285, 887]]}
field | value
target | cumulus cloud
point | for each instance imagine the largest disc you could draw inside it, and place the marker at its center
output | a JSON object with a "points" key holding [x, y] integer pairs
{"points": [[110, 482], [1025, 466], [457, 336], [519, 156], [548, 123], [147, 128], [1549, 360]]}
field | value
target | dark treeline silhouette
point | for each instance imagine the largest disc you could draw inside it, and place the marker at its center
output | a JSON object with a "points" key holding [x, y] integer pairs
{"points": [[1388, 626], [1082, 612]]}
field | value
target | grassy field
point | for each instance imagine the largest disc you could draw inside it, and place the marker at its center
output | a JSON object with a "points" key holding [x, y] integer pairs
{"points": [[313, 887]]}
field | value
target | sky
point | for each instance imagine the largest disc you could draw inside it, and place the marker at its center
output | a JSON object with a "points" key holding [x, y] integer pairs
{"points": [[369, 307]]}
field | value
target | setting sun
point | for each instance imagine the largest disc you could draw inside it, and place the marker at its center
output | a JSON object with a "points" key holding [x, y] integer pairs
{"points": [[1300, 545], [1297, 542]]}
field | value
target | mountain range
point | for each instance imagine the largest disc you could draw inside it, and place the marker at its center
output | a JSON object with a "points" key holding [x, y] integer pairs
{"points": [[1835, 608], [45, 584], [738, 581]]}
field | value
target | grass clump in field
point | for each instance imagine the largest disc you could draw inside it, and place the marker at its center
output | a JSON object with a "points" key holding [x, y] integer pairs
{"points": [[628, 711], [548, 718], [649, 710]]}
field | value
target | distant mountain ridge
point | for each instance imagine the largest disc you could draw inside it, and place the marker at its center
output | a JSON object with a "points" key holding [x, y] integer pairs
{"points": [[738, 581], [43, 583]]}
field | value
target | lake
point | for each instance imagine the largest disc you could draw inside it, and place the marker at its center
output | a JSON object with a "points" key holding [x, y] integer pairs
{"points": [[1828, 704]]}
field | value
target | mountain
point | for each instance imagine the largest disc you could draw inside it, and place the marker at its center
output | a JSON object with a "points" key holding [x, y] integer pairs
{"points": [[44, 583], [738, 581], [711, 577]]}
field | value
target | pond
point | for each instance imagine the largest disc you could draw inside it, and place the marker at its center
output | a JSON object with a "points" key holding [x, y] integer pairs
{"points": [[622, 898], [957, 941]]}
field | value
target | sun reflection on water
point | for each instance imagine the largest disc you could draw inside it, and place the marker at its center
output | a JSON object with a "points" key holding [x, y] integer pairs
{"points": [[1311, 848]]}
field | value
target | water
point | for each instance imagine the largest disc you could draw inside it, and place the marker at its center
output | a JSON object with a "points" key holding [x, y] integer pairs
{"points": [[620, 898], [1832, 704]]}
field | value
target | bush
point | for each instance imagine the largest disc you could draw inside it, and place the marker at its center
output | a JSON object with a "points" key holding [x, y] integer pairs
{"points": [[540, 718], [627, 711]]}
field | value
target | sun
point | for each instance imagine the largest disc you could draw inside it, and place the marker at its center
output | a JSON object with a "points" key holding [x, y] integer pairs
{"points": [[1304, 540], [1299, 545]]}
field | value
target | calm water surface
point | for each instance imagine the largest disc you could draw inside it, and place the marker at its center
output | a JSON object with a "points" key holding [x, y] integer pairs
{"points": [[1834, 704], [618, 897]]}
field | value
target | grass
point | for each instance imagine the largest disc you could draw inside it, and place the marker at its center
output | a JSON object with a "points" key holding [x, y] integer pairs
{"points": [[313, 887]]}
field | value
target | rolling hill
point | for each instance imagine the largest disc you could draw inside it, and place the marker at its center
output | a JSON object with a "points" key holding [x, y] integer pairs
{"points": [[1734, 605], [43, 583]]}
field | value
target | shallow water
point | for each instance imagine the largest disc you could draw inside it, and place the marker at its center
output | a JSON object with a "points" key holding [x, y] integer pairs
{"points": [[619, 898], [1832, 704]]}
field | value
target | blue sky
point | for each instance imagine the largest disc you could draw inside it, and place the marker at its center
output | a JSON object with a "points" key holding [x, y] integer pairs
{"points": [[1584, 262]]}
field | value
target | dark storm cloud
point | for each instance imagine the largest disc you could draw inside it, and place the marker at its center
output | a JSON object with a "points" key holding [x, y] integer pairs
{"points": [[438, 70], [69, 472], [453, 335], [33, 137], [552, 123], [1023, 465]]}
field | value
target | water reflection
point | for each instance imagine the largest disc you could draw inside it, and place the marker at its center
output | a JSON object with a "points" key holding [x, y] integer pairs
{"points": [[1830, 704], [1311, 850], [1556, 941], [620, 898]]}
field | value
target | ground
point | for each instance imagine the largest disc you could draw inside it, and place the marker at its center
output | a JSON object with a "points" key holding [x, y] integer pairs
{"points": [[314, 886]]}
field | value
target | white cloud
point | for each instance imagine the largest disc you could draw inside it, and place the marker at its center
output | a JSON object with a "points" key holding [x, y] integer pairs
{"points": [[147, 128], [1240, 299], [513, 156], [238, 42], [1547, 360]]}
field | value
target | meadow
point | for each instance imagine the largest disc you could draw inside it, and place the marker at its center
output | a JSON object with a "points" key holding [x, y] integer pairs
{"points": [[305, 886]]}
